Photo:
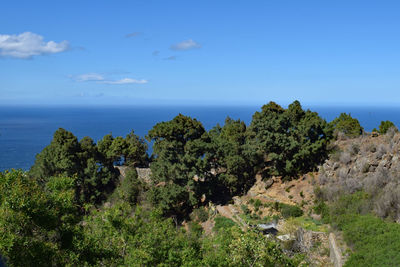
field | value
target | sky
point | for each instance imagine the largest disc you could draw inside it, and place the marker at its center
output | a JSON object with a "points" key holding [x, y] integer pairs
{"points": [[199, 52]]}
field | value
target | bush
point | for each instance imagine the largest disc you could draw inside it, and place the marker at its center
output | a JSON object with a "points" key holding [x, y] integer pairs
{"points": [[257, 204], [245, 209], [348, 125], [199, 214], [290, 210], [345, 158], [375, 242], [385, 126], [223, 223]]}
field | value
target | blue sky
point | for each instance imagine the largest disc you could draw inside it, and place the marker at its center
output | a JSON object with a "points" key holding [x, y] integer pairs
{"points": [[199, 52]]}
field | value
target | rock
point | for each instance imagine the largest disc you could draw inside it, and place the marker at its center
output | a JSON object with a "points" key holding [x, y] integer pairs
{"points": [[269, 183], [316, 217], [284, 238], [306, 240], [335, 252], [336, 165]]}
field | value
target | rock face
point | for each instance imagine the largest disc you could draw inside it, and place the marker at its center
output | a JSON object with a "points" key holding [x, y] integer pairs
{"points": [[144, 174], [306, 240], [366, 163], [335, 252]]}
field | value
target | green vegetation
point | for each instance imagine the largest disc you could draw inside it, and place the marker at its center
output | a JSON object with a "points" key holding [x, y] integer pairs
{"points": [[374, 242], [234, 165], [74, 209], [45, 228], [223, 223], [179, 165], [385, 126], [199, 214], [289, 210], [288, 141], [347, 125]]}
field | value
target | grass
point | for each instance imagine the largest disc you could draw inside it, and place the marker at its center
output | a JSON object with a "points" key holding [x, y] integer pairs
{"points": [[309, 223]]}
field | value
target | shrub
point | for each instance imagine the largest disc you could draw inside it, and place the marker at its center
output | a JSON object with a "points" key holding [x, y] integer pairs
{"points": [[199, 214], [322, 179], [223, 223], [354, 149], [385, 126], [245, 209], [345, 158], [290, 210], [348, 125], [257, 204]]}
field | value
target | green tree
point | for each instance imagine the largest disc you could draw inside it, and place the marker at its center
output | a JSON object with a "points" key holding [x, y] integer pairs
{"points": [[179, 166], [129, 151], [95, 175], [125, 236], [288, 141], [232, 164], [136, 151], [37, 224], [348, 125], [385, 126], [233, 247]]}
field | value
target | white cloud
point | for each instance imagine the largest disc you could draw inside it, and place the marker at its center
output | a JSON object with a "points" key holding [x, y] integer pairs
{"points": [[125, 81], [28, 44], [89, 77], [100, 78], [185, 45]]}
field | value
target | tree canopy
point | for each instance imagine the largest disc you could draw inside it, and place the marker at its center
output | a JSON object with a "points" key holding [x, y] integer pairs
{"points": [[288, 141], [348, 125], [385, 126], [179, 166], [233, 165]]}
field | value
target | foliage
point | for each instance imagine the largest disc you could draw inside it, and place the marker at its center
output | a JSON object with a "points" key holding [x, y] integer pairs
{"points": [[179, 166], [292, 224], [233, 164], [288, 141], [199, 214], [130, 151], [91, 164], [348, 125], [95, 178], [290, 210], [257, 204], [233, 247], [252, 249], [385, 126], [129, 188], [37, 227], [223, 223], [375, 242], [137, 238]]}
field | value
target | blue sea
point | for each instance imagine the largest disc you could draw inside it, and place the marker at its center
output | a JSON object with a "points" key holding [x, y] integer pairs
{"points": [[25, 131]]}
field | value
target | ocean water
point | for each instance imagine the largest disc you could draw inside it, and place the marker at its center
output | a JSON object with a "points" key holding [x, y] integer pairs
{"points": [[25, 131]]}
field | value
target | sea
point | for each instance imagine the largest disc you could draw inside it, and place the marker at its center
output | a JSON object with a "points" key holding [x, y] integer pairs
{"points": [[26, 130]]}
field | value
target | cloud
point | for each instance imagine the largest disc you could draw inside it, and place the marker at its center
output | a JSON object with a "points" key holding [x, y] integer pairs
{"points": [[28, 44], [155, 53], [89, 77], [101, 78], [125, 81], [170, 58], [133, 34], [185, 45]]}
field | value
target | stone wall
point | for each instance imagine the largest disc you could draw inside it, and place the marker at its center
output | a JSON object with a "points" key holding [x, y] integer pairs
{"points": [[335, 252]]}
